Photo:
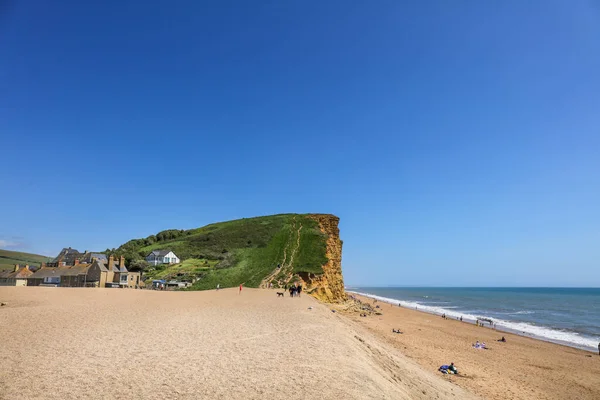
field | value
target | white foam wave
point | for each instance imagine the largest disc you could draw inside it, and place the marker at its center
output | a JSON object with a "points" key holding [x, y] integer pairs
{"points": [[522, 328]]}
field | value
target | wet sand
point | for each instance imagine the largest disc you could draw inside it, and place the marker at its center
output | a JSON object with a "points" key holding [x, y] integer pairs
{"points": [[63, 343], [521, 368]]}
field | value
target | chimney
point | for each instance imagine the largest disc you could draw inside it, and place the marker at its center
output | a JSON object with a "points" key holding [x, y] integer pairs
{"points": [[17, 266], [122, 262], [76, 261], [111, 263]]}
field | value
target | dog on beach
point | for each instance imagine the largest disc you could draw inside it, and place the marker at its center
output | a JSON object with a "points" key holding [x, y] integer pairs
{"points": [[279, 294]]}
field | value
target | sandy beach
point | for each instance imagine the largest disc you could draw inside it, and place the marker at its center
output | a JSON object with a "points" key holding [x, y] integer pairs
{"points": [[63, 343], [521, 368]]}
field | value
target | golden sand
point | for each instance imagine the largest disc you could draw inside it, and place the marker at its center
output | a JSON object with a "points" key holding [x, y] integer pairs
{"points": [[62, 343], [521, 368]]}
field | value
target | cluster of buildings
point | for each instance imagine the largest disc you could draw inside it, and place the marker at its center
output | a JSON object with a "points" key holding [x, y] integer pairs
{"points": [[74, 269]]}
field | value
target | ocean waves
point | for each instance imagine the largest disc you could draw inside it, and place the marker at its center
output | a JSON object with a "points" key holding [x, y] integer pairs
{"points": [[525, 328]]}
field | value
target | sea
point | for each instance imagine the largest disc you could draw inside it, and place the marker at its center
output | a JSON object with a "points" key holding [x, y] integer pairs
{"points": [[568, 316]]}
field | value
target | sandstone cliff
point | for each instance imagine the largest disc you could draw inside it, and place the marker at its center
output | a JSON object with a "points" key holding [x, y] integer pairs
{"points": [[328, 286]]}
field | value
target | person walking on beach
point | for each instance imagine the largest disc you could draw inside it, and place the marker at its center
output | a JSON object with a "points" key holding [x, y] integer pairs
{"points": [[218, 286], [299, 290], [240, 288], [599, 349]]}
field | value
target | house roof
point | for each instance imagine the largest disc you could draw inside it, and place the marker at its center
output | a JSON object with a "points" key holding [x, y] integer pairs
{"points": [[101, 265], [88, 257], [160, 253], [116, 267], [46, 272], [80, 269], [22, 272], [67, 255]]}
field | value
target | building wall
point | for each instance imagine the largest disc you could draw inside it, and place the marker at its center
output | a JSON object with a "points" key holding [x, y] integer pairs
{"points": [[96, 274], [34, 281], [133, 279], [173, 259], [151, 259], [73, 281], [103, 279]]}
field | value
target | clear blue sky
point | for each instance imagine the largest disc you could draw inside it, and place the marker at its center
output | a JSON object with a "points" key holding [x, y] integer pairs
{"points": [[459, 142]]}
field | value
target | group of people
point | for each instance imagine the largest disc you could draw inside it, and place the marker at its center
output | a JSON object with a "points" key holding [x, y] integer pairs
{"points": [[295, 290], [478, 345], [480, 322]]}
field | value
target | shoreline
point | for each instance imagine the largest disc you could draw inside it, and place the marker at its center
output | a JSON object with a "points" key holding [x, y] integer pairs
{"points": [[472, 321], [259, 345], [521, 368]]}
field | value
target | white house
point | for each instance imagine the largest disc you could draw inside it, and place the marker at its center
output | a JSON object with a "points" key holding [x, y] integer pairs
{"points": [[162, 257]]}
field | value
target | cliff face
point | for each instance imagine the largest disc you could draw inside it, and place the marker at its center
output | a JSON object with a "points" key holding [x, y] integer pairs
{"points": [[329, 286]]}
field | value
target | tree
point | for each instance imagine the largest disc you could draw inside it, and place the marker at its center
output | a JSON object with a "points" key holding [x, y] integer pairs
{"points": [[138, 265]]}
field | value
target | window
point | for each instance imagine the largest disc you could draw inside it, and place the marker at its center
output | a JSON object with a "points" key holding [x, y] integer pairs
{"points": [[52, 279]]}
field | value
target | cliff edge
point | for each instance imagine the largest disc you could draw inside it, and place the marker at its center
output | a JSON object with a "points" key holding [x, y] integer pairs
{"points": [[328, 286]]}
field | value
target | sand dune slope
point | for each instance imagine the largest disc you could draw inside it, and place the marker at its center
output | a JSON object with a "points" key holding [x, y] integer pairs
{"points": [[129, 344]]}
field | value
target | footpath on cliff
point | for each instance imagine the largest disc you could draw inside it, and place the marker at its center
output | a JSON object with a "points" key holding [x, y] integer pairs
{"points": [[327, 286]]}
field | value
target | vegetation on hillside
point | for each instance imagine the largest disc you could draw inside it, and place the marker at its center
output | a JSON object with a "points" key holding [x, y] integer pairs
{"points": [[241, 251], [9, 258]]}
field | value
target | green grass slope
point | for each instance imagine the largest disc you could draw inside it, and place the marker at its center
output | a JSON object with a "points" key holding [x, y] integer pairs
{"points": [[8, 259], [233, 252]]}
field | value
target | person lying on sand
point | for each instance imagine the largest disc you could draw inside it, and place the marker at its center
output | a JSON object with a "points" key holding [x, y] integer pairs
{"points": [[397, 331], [503, 340], [478, 345], [448, 369]]}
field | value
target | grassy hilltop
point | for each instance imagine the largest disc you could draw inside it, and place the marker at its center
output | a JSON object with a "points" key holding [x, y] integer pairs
{"points": [[241, 251], [8, 259]]}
